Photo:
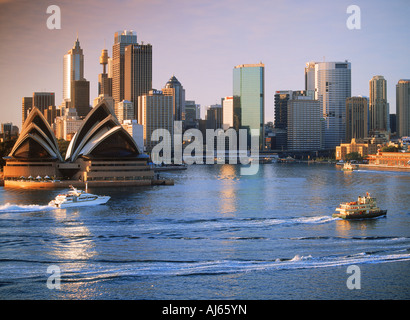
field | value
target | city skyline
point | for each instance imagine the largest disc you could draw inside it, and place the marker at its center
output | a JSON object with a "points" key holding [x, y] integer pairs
{"points": [[200, 43]]}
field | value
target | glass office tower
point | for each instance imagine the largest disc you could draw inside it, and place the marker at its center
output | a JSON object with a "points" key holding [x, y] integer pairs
{"points": [[249, 101]]}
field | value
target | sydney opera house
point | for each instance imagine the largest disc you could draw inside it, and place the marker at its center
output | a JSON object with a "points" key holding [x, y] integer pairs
{"points": [[101, 153]]}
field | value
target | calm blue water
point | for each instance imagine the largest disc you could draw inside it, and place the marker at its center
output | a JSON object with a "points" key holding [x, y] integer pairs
{"points": [[213, 235]]}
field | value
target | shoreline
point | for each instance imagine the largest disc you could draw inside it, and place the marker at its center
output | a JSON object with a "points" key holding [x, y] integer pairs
{"points": [[81, 184]]}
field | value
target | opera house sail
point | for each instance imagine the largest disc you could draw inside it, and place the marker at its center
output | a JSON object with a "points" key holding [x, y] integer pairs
{"points": [[101, 152]]}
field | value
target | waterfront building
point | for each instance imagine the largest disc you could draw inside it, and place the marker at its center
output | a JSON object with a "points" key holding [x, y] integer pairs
{"points": [[403, 107], [390, 159], [378, 106], [249, 100], [122, 39], [362, 146], [227, 113], [156, 111], [304, 122], [137, 73], [356, 118], [101, 153], [332, 88]]}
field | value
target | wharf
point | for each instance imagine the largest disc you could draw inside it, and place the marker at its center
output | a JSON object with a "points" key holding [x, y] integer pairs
{"points": [[80, 184]]}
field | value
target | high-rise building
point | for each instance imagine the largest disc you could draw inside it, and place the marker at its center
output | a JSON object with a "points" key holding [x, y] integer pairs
{"points": [[214, 117], [332, 88], [26, 105], [192, 114], [304, 122], [137, 73], [156, 111], [403, 107], [356, 118], [80, 97], [179, 113], [124, 111], [249, 100], [121, 40], [281, 108], [310, 76], [104, 82], [227, 112], [378, 111], [42, 100], [73, 68]]}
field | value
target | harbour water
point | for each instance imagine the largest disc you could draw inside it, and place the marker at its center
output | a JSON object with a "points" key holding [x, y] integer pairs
{"points": [[213, 235]]}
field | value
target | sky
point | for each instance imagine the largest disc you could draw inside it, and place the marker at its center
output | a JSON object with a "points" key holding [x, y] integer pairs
{"points": [[201, 41]]}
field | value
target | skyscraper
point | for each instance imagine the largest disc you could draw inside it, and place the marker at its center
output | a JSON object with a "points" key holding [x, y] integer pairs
{"points": [[310, 76], [121, 40], [403, 107], [42, 100], [179, 113], [356, 118], [26, 105], [80, 97], [227, 113], [378, 111], [305, 122], [73, 68], [156, 111], [281, 108], [249, 100], [104, 82], [332, 88]]}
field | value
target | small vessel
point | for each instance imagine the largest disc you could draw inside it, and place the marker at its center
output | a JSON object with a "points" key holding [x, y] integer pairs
{"points": [[77, 198], [363, 208], [349, 167]]}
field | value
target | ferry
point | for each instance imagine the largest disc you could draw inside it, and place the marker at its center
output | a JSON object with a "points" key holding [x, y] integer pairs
{"points": [[77, 198], [363, 208]]}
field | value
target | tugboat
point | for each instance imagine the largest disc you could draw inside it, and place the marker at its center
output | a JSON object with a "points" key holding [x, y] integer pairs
{"points": [[77, 198], [363, 208]]}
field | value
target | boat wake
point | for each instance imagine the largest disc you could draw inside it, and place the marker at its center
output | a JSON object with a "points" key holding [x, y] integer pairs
{"points": [[144, 268], [14, 208]]}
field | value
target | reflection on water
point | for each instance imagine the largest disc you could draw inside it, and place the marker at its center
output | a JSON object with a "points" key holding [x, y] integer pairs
{"points": [[227, 196]]}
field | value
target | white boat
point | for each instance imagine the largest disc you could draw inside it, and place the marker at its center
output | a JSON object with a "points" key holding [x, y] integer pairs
{"points": [[77, 198], [363, 208], [349, 167]]}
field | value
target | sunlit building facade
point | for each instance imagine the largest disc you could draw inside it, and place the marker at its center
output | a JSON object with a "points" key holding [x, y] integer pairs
{"points": [[249, 100]]}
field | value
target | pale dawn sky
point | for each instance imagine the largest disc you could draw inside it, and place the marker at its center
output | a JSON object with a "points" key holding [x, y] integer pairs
{"points": [[200, 42]]}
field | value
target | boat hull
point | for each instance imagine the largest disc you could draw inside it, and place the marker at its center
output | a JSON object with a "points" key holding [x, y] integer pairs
{"points": [[360, 216]]}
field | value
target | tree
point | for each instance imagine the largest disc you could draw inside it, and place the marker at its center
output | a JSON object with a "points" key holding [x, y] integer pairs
{"points": [[354, 156]]}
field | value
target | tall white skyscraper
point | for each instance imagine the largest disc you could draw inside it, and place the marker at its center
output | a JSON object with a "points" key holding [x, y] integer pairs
{"points": [[332, 87], [73, 68]]}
